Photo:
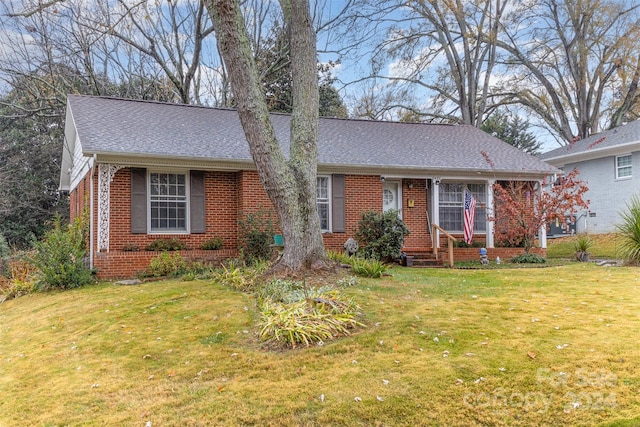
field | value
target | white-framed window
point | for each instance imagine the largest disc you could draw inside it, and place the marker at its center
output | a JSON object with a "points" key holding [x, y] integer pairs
{"points": [[323, 200], [168, 202], [624, 166], [452, 206]]}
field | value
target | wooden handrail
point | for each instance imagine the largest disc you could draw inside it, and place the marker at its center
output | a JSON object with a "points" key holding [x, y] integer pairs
{"points": [[435, 243]]}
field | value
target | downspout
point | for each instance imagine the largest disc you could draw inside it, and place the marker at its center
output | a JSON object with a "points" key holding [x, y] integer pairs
{"points": [[91, 216], [586, 218], [543, 230]]}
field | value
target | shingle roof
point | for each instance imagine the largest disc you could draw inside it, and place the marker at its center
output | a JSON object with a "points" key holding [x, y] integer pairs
{"points": [[601, 142], [152, 129]]}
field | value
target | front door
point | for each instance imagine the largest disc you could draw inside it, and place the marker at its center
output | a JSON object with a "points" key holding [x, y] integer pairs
{"points": [[391, 197]]}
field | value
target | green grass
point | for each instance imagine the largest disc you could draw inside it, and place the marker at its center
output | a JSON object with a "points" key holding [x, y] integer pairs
{"points": [[604, 247], [549, 346]]}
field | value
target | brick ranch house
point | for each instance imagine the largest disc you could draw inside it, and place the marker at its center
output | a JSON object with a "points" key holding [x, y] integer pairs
{"points": [[149, 170]]}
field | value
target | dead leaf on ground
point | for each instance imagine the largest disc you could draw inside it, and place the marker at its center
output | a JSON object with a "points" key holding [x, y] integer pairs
{"points": [[531, 355]]}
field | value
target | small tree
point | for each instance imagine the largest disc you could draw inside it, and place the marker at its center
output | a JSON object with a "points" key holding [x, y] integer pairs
{"points": [[520, 212]]}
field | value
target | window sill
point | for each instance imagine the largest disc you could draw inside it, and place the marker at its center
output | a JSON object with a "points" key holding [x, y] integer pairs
{"points": [[171, 232]]}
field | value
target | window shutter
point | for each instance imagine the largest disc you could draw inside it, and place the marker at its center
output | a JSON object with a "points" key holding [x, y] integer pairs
{"points": [[337, 204], [197, 202], [138, 201]]}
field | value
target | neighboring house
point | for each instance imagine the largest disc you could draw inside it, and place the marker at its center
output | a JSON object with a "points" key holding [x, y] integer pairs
{"points": [[609, 163], [146, 170]]}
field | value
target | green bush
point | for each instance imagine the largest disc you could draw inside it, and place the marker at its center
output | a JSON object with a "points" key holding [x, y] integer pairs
{"points": [[256, 236], [474, 244], [167, 264], [528, 259], [59, 257], [212, 244], [164, 245], [629, 232], [381, 235], [130, 247], [368, 267]]}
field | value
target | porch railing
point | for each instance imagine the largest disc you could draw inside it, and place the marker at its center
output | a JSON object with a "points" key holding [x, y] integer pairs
{"points": [[435, 243]]}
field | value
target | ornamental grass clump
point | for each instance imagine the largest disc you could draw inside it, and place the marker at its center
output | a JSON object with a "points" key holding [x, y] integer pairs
{"points": [[629, 232], [368, 268], [292, 314], [340, 257], [239, 278]]}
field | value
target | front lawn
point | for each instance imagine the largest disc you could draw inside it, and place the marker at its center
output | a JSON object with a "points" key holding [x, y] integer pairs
{"points": [[549, 346], [604, 247]]}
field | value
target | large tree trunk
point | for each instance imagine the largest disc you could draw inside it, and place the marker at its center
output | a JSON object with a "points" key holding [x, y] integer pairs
{"points": [[290, 185]]}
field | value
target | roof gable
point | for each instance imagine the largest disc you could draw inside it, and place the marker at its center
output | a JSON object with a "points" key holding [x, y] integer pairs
{"points": [[624, 138], [118, 127]]}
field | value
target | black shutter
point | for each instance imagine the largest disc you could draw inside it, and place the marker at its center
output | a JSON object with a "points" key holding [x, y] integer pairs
{"points": [[138, 200], [337, 204], [197, 203]]}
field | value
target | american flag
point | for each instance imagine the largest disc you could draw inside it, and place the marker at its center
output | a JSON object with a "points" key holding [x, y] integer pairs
{"points": [[469, 216]]}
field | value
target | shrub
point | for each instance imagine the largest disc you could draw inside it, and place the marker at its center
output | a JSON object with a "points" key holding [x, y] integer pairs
{"points": [[212, 244], [381, 235], [11, 289], [167, 264], [164, 245], [130, 248], [240, 279], [21, 281], [368, 268], [59, 257], [474, 244], [529, 258], [341, 257], [256, 236], [629, 232]]}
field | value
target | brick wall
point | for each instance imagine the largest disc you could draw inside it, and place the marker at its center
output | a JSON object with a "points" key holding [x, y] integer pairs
{"points": [[79, 197], [118, 264], [361, 193], [415, 217], [228, 194], [221, 218]]}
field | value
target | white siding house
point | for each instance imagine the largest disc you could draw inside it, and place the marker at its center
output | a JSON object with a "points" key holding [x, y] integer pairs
{"points": [[610, 164]]}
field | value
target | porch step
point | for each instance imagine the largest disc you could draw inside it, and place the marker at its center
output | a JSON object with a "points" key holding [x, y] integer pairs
{"points": [[427, 263], [424, 259]]}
